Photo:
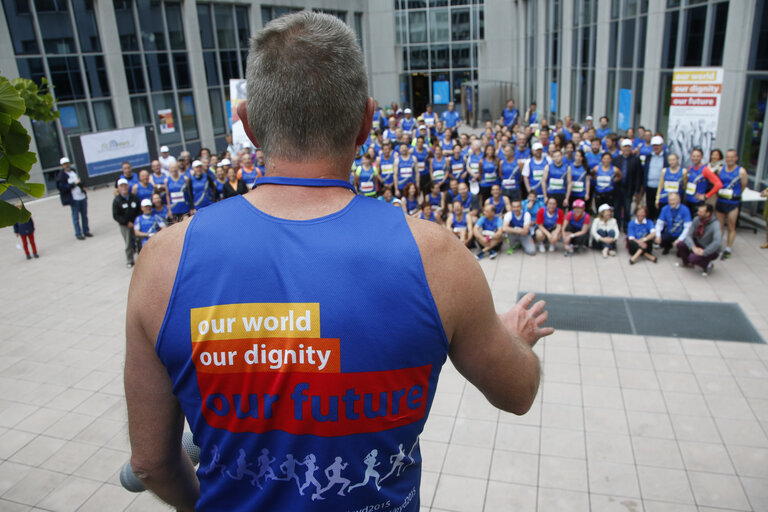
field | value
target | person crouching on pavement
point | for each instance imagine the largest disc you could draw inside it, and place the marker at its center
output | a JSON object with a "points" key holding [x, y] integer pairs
{"points": [[702, 244]]}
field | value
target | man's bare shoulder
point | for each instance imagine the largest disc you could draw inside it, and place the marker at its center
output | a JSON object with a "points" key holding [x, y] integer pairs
{"points": [[153, 277]]}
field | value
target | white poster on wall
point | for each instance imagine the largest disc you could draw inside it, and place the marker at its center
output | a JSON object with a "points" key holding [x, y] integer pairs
{"points": [[237, 95], [105, 152], [694, 109]]}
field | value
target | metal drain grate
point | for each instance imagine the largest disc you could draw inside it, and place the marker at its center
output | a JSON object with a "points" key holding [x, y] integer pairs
{"points": [[649, 317]]}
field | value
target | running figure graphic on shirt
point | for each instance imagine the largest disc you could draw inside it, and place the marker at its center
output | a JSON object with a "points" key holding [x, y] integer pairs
{"points": [[370, 463], [333, 474], [265, 469], [397, 462], [289, 468], [309, 475], [215, 458], [410, 454], [242, 469]]}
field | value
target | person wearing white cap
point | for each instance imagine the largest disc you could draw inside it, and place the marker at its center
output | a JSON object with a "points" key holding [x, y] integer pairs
{"points": [[126, 173], [588, 124], [654, 164], [630, 186], [534, 169], [165, 158], [146, 224], [125, 209], [202, 188], [72, 194], [407, 123], [604, 231]]}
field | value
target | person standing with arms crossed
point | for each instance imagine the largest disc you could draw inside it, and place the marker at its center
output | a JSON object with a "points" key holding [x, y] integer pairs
{"points": [[309, 274]]}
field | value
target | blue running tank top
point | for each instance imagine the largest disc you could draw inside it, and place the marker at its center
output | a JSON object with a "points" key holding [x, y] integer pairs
{"points": [[604, 179], [509, 175], [435, 201], [143, 192], [177, 189], [438, 169], [579, 178], [473, 164], [731, 191], [300, 398], [516, 222], [697, 183], [405, 173], [556, 179], [387, 169], [673, 183], [421, 160], [458, 168], [536, 173], [490, 173], [203, 191], [550, 220], [500, 207]]}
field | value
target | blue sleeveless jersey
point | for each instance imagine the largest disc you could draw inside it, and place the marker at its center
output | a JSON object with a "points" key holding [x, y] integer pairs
{"points": [[387, 169], [407, 124], [458, 167], [203, 191], [517, 222], [421, 161], [510, 175], [299, 397], [593, 159], [489, 173], [411, 206], [435, 201], [499, 207], [439, 169], [673, 182], [697, 183], [550, 221], [149, 224], [143, 192], [604, 179], [473, 164], [250, 177], [177, 189], [579, 178], [447, 145], [537, 172], [731, 191], [159, 181], [405, 171], [556, 180], [523, 154]]}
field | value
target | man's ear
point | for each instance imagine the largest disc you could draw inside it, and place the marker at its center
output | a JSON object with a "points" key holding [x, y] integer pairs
{"points": [[242, 113], [365, 127]]}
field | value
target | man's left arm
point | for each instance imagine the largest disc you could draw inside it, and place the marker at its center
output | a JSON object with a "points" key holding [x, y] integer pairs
{"points": [[155, 419], [713, 247]]}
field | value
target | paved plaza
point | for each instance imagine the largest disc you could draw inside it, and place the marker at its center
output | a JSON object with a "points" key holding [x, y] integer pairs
{"points": [[621, 423]]}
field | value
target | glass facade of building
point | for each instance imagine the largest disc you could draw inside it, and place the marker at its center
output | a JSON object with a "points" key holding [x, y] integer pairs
{"points": [[583, 47], [437, 41], [753, 146]]}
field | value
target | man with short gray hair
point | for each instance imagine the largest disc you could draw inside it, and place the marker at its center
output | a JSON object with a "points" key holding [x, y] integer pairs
{"points": [[277, 357]]}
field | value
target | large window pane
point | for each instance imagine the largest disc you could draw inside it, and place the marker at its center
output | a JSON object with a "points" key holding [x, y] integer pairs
{"points": [[693, 36], [206, 29], [140, 109], [460, 54], [642, 28], [459, 77], [670, 39], [613, 42], [225, 26], [637, 96], [760, 53], [74, 118], [31, 68], [243, 26], [478, 25], [229, 68], [151, 24], [754, 123], [417, 27], [175, 26], [134, 73], [419, 57], [440, 56], [126, 28], [96, 73], [55, 27], [159, 72], [627, 42], [105, 118], [217, 111], [20, 24], [719, 22], [188, 118], [460, 25], [439, 25], [66, 78], [87, 31], [181, 68], [211, 70], [47, 138]]}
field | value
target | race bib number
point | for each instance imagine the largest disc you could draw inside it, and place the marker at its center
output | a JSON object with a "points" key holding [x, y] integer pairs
{"points": [[509, 183], [725, 193], [488, 232], [177, 196], [420, 166], [556, 183], [490, 177], [474, 166], [387, 169], [459, 229], [438, 175], [366, 186], [406, 172], [577, 186], [690, 188], [429, 121], [604, 181], [673, 187], [457, 168], [537, 174]]}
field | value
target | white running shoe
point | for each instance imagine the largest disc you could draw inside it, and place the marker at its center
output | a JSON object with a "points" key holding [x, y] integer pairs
{"points": [[551, 248], [541, 248]]}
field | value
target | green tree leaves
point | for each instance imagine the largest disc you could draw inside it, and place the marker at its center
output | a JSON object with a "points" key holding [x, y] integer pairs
{"points": [[20, 97]]}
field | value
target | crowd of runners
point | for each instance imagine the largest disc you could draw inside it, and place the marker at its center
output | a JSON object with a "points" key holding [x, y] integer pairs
{"points": [[521, 182]]}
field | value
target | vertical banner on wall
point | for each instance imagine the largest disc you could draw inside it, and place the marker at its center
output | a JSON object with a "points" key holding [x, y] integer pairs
{"points": [[165, 120], [694, 108], [237, 95], [625, 108], [553, 98]]}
